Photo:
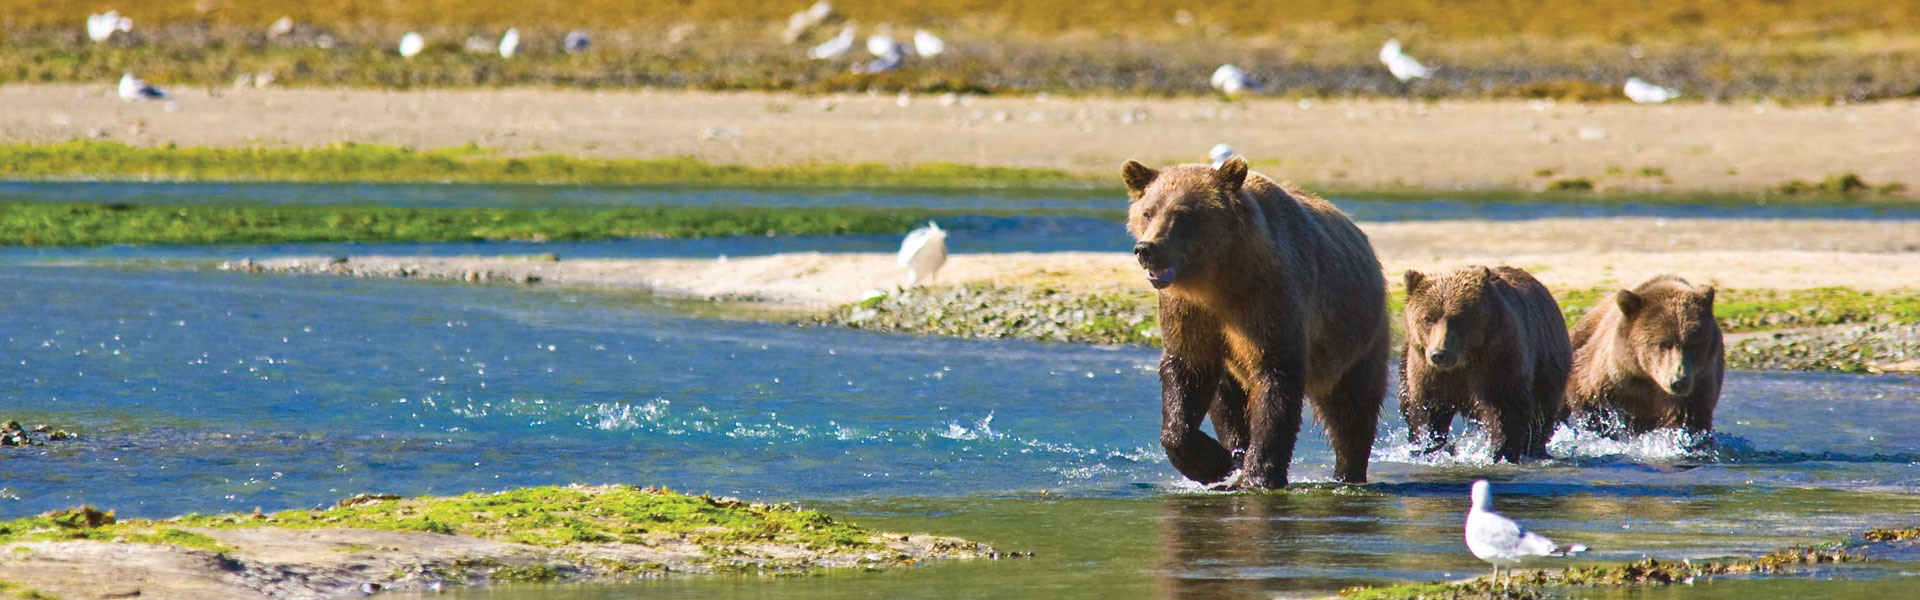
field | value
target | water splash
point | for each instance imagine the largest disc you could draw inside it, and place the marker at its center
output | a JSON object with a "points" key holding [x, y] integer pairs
{"points": [[981, 430]]}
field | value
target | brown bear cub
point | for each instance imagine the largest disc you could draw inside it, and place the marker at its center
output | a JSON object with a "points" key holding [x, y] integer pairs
{"points": [[1269, 296], [1650, 357], [1490, 344]]}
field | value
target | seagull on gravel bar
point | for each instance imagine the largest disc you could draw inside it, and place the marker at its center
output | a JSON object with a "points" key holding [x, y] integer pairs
{"points": [[1499, 540]]}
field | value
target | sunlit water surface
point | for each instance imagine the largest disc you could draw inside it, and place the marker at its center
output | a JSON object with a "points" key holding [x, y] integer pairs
{"points": [[206, 391]]}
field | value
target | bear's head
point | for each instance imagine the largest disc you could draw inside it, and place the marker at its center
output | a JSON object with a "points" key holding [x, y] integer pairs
{"points": [[1184, 218], [1667, 332], [1448, 315]]}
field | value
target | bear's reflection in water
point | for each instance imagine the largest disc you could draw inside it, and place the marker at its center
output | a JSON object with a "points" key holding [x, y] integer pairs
{"points": [[1253, 545], [1315, 542]]}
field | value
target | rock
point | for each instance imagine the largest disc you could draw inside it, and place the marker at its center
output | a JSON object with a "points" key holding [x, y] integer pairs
{"points": [[365, 498]]}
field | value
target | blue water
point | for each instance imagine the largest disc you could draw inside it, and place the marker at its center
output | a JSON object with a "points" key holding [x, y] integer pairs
{"points": [[536, 196], [202, 391]]}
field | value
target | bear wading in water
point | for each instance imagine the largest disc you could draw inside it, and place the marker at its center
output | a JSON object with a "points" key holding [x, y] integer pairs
{"points": [[1269, 296], [1489, 343], [1649, 358]]}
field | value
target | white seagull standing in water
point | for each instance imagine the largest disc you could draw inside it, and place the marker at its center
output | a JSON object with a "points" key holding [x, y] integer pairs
{"points": [[1646, 93], [1403, 67], [100, 27], [132, 88], [1219, 154], [411, 44], [510, 42], [922, 253], [1499, 540]]}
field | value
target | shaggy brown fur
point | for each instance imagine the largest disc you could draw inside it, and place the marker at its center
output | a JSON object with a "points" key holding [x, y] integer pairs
{"points": [[1269, 296], [1487, 343], [1653, 355]]}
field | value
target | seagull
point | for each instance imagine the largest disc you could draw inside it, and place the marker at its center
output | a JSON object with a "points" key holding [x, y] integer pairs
{"points": [[576, 42], [928, 45], [1220, 153], [510, 42], [132, 88], [101, 26], [803, 21], [1403, 67], [281, 27], [1499, 540], [882, 45], [1646, 93], [411, 44], [922, 253], [833, 48], [1230, 80]]}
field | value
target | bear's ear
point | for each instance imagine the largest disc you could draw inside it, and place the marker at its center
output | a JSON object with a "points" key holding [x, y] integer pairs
{"points": [[1629, 302], [1137, 176], [1231, 174], [1707, 292], [1415, 279]]}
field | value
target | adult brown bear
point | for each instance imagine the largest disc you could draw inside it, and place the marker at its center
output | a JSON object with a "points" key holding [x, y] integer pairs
{"points": [[1489, 343], [1651, 357], [1268, 296]]}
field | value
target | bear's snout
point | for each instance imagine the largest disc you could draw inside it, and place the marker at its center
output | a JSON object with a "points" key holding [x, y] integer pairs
{"points": [[1161, 266], [1679, 384], [1443, 358], [1144, 252]]}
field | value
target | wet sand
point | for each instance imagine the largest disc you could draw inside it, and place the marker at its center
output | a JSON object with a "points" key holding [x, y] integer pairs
{"points": [[1349, 143], [1566, 254]]}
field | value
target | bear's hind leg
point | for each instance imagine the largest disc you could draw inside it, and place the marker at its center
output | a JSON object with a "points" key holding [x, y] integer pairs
{"points": [[1351, 413], [1229, 415]]}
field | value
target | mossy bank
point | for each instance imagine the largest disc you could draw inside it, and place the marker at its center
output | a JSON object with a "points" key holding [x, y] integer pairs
{"points": [[1885, 332], [350, 162], [1538, 585], [385, 542], [37, 224]]}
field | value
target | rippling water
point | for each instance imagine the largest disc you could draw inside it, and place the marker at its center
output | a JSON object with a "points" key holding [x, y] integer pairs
{"points": [[205, 391]]}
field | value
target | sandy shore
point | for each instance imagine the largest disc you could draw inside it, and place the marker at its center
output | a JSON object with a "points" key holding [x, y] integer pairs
{"points": [[1356, 143], [1566, 254]]}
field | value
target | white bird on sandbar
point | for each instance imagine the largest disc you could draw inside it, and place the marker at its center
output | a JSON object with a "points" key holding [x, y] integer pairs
{"points": [[922, 253], [281, 27], [833, 48], [928, 45], [101, 26], [1230, 80], [411, 44], [1499, 540], [510, 42], [1219, 154], [1403, 67], [1642, 92], [132, 88], [576, 42]]}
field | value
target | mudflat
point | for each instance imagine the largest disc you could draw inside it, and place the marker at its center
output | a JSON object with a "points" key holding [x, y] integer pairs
{"points": [[1361, 144]]}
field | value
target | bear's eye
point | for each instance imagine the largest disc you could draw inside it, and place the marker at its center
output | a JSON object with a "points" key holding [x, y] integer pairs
{"points": [[1146, 214], [1666, 345]]}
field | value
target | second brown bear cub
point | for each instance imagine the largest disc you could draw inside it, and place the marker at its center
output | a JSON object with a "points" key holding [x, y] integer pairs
{"points": [[1652, 357], [1488, 343]]}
